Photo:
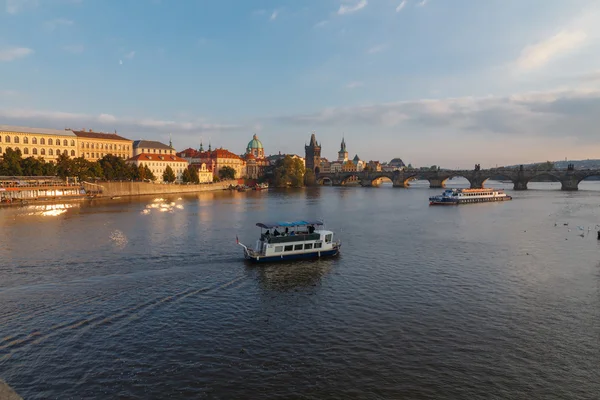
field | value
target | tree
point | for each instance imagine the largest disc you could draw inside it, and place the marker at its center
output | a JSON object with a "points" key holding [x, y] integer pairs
{"points": [[289, 172], [32, 166], [115, 168], [433, 168], [194, 177], [186, 177], [148, 173], [64, 166], [226, 173], [169, 175], [547, 166], [11, 162]]}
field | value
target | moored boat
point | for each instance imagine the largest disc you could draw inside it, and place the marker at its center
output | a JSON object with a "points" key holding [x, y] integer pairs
{"points": [[451, 197], [297, 240]]}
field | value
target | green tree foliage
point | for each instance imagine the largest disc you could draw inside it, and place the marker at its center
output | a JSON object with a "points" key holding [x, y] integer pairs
{"points": [[289, 172], [186, 177], [148, 173], [226, 173], [115, 168], [433, 168], [195, 178], [169, 175], [64, 166], [547, 166], [11, 163]]}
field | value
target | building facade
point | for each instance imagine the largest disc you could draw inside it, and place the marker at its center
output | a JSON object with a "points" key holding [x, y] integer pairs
{"points": [[256, 163], [343, 153], [312, 155], [360, 164], [95, 145], [38, 142], [215, 160], [204, 174], [158, 163]]}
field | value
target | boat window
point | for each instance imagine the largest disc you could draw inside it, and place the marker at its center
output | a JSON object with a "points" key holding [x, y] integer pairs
{"points": [[278, 249], [318, 245], [298, 247], [308, 246], [289, 248], [328, 238]]}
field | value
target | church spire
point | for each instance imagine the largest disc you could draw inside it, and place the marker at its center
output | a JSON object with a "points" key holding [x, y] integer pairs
{"points": [[170, 141], [201, 147]]}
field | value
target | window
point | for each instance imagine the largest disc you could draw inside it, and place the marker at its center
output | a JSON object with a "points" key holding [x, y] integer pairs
{"points": [[34, 151], [50, 143], [58, 152], [0, 149], [318, 245], [42, 141], [16, 139], [66, 152], [25, 140], [43, 151], [308, 246], [87, 155], [278, 249], [26, 150], [33, 140], [298, 247], [65, 142], [289, 248], [50, 153], [328, 238], [87, 145], [72, 153], [7, 139], [72, 143], [82, 145]]}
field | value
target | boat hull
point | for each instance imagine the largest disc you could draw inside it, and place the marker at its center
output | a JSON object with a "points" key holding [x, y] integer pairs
{"points": [[291, 257], [469, 201]]}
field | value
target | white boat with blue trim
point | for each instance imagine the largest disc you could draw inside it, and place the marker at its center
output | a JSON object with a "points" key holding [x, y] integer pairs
{"points": [[453, 197], [292, 240]]}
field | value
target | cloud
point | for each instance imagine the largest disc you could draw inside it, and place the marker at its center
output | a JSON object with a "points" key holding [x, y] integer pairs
{"points": [[75, 48], [274, 15], [355, 84], [108, 122], [348, 9], [16, 6], [120, 62], [321, 24], [377, 49], [55, 23], [422, 3], [130, 55], [13, 53], [557, 114], [401, 6], [537, 55]]}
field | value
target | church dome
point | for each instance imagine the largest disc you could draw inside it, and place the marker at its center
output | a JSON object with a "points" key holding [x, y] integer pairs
{"points": [[254, 143]]}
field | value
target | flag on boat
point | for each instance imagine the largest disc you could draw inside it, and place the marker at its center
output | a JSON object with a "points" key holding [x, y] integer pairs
{"points": [[237, 240]]}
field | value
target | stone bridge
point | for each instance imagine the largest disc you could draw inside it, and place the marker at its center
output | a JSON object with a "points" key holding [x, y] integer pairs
{"points": [[569, 178]]}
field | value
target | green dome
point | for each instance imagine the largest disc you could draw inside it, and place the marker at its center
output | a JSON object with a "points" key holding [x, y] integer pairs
{"points": [[254, 143]]}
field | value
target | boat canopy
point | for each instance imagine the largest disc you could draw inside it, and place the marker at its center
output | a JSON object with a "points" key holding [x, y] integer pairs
{"points": [[288, 224]]}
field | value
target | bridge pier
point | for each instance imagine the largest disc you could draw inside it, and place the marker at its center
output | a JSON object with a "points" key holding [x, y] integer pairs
{"points": [[569, 184], [520, 185], [400, 184], [437, 183]]}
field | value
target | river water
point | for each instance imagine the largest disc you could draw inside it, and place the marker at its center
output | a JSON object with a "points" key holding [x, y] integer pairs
{"points": [[106, 300]]}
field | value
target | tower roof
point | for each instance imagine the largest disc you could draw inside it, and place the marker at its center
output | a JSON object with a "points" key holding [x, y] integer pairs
{"points": [[313, 141], [343, 146]]}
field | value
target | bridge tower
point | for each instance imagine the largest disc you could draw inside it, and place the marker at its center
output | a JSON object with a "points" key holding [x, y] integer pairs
{"points": [[313, 155]]}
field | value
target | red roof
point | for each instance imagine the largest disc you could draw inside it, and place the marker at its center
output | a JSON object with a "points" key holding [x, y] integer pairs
{"points": [[217, 153], [157, 157], [99, 135]]}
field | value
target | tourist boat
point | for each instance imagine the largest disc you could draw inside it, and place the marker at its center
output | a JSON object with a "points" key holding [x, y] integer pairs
{"points": [[296, 240], [261, 186], [452, 197]]}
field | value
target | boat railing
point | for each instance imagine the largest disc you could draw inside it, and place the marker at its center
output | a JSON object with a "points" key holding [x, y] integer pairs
{"points": [[290, 238]]}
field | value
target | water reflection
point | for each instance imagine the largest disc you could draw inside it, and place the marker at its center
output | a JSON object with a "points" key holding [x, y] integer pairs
{"points": [[47, 210], [281, 277]]}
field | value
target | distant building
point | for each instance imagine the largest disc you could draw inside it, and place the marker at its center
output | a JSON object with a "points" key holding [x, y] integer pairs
{"points": [[159, 162], [95, 145], [325, 165], [397, 162], [274, 158], [374, 166], [349, 166], [205, 175], [343, 153], [358, 162], [256, 163], [336, 166], [215, 160], [38, 142], [151, 147], [313, 155]]}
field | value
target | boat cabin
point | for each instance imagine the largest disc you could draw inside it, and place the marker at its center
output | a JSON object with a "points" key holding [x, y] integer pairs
{"points": [[295, 237]]}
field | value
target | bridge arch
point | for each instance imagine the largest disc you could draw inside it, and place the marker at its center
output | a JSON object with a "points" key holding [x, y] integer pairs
{"points": [[352, 176], [373, 178], [443, 180], [325, 181]]}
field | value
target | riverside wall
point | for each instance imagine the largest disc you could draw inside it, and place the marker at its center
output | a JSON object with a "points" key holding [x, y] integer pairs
{"points": [[127, 188], [6, 393]]}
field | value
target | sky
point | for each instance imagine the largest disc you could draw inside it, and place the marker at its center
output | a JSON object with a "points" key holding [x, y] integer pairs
{"points": [[444, 82]]}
